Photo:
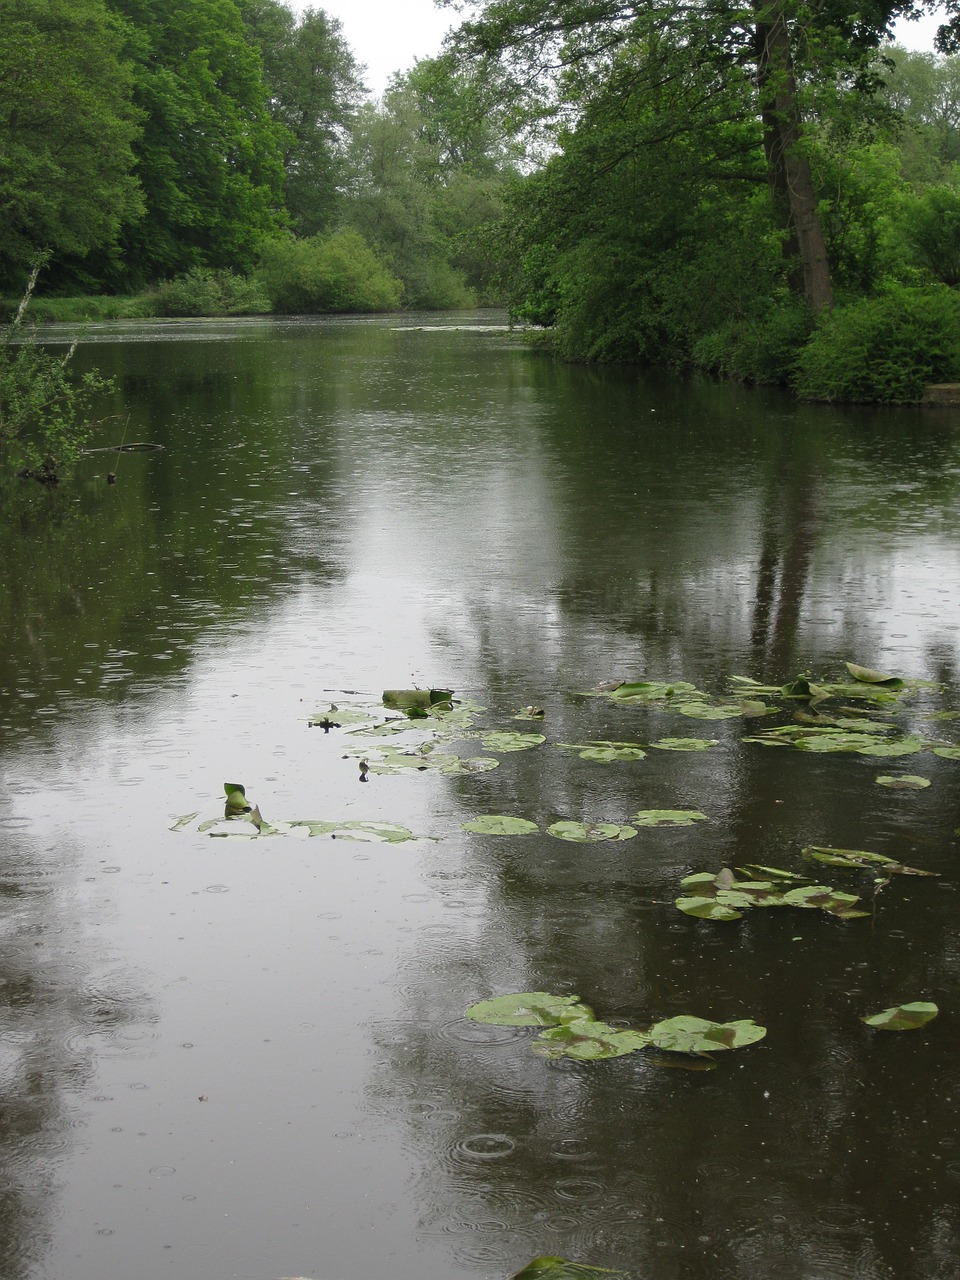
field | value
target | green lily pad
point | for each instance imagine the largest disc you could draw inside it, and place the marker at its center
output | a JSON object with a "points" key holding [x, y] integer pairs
{"points": [[685, 744], [604, 752], [184, 821], [903, 782], [652, 690], [507, 740], [686, 1034], [866, 676], [723, 897], [858, 859], [425, 759], [706, 711], [668, 817], [496, 824], [530, 1009], [947, 753], [707, 908], [591, 832], [903, 1017], [548, 1267], [236, 798], [588, 1041]]}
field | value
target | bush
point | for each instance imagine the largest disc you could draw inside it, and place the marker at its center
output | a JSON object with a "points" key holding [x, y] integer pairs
{"points": [[204, 292], [760, 348], [327, 273], [44, 413], [883, 350]]}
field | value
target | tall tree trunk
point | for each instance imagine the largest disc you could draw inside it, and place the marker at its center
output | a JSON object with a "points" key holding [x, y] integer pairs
{"points": [[791, 182]]}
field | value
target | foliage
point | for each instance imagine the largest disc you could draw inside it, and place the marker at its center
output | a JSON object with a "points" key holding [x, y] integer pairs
{"points": [[209, 157], [67, 131], [884, 350], [205, 292], [314, 89], [44, 411], [930, 227], [333, 273]]}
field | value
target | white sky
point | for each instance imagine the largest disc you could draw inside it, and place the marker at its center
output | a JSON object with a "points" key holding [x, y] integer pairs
{"points": [[389, 35]]}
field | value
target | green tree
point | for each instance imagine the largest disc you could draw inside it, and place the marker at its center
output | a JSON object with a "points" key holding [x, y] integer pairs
{"points": [[924, 90], [68, 127], [210, 156], [315, 86]]}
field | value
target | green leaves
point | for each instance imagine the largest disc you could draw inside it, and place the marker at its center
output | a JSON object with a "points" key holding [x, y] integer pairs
{"points": [[903, 1017], [603, 751], [549, 1267], [723, 897], [574, 1032], [590, 832], [668, 817], [496, 824], [860, 859]]}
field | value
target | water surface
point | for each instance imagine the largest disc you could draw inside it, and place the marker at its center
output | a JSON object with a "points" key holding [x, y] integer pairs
{"points": [[247, 1058]]}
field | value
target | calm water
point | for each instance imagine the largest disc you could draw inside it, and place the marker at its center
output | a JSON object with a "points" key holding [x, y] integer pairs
{"points": [[248, 1058]]}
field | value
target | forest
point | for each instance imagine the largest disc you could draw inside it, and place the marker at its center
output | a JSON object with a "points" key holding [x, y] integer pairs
{"points": [[766, 191]]}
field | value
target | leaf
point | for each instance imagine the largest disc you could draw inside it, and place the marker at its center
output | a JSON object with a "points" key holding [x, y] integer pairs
{"points": [[508, 740], [857, 859], [651, 690], [231, 787], [529, 1009], [686, 1034], [418, 699], [684, 744], [903, 782], [706, 711], [707, 908], [495, 824], [590, 832], [589, 1041], [668, 817], [184, 821], [947, 753], [903, 1017], [604, 751], [866, 676], [552, 1268]]}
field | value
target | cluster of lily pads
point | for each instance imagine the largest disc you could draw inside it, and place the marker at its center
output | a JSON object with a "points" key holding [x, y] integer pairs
{"points": [[571, 1029]]}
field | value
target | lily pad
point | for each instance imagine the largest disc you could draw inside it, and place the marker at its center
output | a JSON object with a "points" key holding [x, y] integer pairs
{"points": [[652, 690], [605, 752], [507, 740], [697, 1035], [588, 1041], [903, 782], [707, 909], [685, 744], [947, 753], [591, 832], [708, 711], [668, 817], [496, 824], [416, 699], [866, 676], [548, 1267], [858, 859], [903, 1017], [530, 1009], [184, 821], [236, 798], [723, 897]]}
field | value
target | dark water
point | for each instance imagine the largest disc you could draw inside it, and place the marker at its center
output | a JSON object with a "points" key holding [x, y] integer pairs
{"points": [[247, 1058]]}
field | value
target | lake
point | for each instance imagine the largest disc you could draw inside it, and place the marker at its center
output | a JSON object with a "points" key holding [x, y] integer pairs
{"points": [[239, 1052]]}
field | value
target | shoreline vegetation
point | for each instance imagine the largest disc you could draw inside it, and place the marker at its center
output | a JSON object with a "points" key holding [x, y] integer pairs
{"points": [[770, 196]]}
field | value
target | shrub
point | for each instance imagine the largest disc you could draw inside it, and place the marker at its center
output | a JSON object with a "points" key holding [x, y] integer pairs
{"points": [[44, 412], [327, 273], [883, 350], [204, 292]]}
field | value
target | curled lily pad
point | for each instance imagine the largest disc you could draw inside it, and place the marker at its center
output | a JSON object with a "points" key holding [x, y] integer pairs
{"points": [[858, 859], [903, 1017], [866, 676], [903, 782], [686, 1034], [605, 752], [553, 1268], [497, 824], [236, 798], [668, 817], [684, 744], [653, 690], [588, 1041], [507, 740], [591, 832], [415, 699], [529, 1009]]}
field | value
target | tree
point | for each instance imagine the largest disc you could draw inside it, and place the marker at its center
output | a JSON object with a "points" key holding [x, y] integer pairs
{"points": [[315, 86], [68, 127], [787, 44], [210, 156]]}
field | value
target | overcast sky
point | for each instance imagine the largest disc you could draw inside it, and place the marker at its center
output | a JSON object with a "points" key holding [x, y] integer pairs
{"points": [[389, 35]]}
